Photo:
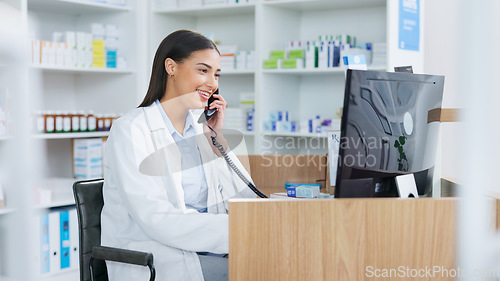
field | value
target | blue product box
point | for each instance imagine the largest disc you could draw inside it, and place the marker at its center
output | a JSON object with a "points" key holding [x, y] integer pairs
{"points": [[269, 126], [302, 190], [250, 121], [275, 116], [355, 61]]}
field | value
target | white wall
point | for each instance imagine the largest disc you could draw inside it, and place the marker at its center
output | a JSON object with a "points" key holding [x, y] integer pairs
{"points": [[443, 57]]}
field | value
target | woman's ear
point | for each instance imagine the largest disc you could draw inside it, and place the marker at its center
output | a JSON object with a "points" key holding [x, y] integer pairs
{"points": [[170, 66]]}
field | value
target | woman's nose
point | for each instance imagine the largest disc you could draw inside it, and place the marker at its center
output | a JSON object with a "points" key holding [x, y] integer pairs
{"points": [[212, 83]]}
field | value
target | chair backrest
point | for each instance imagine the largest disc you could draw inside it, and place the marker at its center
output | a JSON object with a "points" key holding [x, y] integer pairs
{"points": [[89, 203]]}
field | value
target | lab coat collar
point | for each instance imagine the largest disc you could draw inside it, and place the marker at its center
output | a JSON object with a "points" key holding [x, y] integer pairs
{"points": [[153, 117], [161, 137], [188, 126]]}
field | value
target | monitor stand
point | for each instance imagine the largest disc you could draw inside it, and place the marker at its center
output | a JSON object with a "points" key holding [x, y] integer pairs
{"points": [[406, 186]]}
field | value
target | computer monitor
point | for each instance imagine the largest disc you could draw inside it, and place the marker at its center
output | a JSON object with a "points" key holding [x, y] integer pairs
{"points": [[388, 129]]}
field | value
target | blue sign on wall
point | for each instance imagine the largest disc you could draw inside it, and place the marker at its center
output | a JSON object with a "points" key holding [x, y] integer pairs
{"points": [[409, 25]]}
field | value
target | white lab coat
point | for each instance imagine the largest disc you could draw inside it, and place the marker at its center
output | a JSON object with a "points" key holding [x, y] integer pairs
{"points": [[144, 207]]}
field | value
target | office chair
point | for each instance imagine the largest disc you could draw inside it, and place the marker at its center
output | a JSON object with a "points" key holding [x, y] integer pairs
{"points": [[89, 203]]}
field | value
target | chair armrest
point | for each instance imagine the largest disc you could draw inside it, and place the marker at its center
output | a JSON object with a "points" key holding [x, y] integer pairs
{"points": [[122, 255]]}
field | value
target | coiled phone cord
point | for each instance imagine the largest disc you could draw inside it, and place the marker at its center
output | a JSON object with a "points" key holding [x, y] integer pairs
{"points": [[233, 166]]}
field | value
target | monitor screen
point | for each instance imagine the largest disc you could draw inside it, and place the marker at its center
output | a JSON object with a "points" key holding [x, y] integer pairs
{"points": [[388, 129]]}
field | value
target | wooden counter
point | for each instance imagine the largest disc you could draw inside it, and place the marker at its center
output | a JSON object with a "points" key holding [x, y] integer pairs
{"points": [[339, 239]]}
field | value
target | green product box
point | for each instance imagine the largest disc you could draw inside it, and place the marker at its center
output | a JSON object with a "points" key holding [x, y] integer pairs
{"points": [[296, 54], [272, 63], [277, 54], [289, 63]]}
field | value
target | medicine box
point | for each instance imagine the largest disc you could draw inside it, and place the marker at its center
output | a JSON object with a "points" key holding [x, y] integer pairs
{"points": [[302, 190], [271, 63], [296, 54], [87, 158], [293, 63], [277, 54]]}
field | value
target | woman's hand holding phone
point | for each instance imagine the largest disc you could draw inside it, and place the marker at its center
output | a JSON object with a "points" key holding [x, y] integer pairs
{"points": [[216, 121]]}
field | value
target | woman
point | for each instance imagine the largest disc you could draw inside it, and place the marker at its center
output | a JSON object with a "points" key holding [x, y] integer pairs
{"points": [[165, 185]]}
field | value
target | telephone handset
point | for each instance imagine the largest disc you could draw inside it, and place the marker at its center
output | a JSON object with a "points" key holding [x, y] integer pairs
{"points": [[204, 117], [208, 113]]}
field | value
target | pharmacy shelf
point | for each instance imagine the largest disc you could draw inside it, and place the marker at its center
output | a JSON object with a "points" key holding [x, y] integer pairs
{"points": [[71, 135], [58, 69], [56, 204], [317, 5], [316, 71], [237, 72], [74, 7], [211, 10], [5, 211], [293, 134]]}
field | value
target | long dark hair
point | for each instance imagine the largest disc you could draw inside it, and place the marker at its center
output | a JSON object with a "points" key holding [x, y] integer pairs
{"points": [[178, 46]]}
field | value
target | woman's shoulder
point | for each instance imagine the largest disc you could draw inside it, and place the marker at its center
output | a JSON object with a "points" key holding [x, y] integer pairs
{"points": [[132, 119]]}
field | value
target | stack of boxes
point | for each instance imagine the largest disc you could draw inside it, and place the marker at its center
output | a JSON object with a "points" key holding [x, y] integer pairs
{"points": [[247, 108], [87, 158], [111, 44], [241, 118], [233, 118], [80, 49], [98, 52], [326, 52], [245, 60], [280, 121], [227, 56], [231, 58]]}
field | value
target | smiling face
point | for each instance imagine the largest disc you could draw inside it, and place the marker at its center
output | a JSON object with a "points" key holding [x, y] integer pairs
{"points": [[192, 81]]}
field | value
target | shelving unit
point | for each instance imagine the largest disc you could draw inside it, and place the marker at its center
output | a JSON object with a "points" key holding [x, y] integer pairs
{"points": [[71, 135], [56, 204], [75, 7], [237, 72], [14, 222], [262, 26], [62, 70], [315, 5], [316, 71], [102, 90], [6, 211], [268, 24], [211, 10]]}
